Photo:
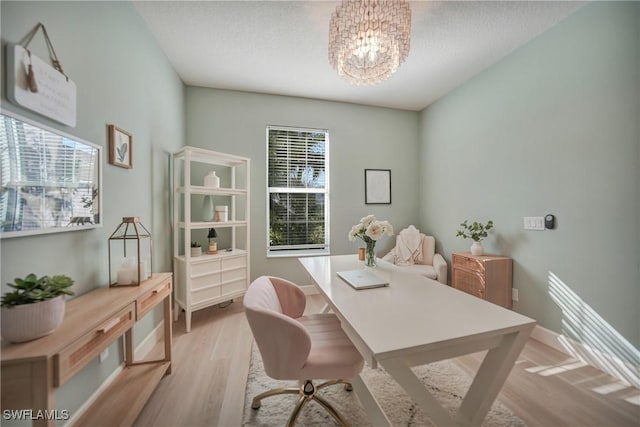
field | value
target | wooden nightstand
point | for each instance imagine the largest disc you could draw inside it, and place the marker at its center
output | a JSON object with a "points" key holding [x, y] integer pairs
{"points": [[486, 276]]}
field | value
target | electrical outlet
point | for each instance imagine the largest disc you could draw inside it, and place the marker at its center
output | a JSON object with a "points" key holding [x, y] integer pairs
{"points": [[103, 355], [514, 294]]}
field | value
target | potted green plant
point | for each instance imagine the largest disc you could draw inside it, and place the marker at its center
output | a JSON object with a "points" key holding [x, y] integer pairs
{"points": [[196, 249], [35, 307], [475, 231]]}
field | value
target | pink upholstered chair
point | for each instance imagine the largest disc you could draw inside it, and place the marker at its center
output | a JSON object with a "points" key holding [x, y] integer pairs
{"points": [[297, 347]]}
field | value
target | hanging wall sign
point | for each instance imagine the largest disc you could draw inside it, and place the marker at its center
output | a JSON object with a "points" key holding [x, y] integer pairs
{"points": [[55, 93]]}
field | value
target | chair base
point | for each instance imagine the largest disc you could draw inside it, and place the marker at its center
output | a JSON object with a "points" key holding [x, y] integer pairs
{"points": [[307, 392]]}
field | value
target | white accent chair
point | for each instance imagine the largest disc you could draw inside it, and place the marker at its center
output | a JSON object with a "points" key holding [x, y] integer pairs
{"points": [[418, 258], [297, 347]]}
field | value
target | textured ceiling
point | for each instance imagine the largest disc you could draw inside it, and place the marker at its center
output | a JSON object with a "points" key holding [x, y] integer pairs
{"points": [[280, 47]]}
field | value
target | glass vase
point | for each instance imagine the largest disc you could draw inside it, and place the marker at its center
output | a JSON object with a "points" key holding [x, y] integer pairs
{"points": [[370, 254]]}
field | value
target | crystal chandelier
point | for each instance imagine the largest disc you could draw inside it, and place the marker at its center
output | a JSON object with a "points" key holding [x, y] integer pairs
{"points": [[368, 39]]}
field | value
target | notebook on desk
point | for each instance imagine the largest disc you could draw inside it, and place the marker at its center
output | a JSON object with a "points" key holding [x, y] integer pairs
{"points": [[362, 279]]}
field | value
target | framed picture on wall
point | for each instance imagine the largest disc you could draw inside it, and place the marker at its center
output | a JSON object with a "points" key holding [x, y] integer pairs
{"points": [[120, 147], [377, 186]]}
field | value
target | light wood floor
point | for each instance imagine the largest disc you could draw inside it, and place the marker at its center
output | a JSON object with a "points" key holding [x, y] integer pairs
{"points": [[210, 365]]}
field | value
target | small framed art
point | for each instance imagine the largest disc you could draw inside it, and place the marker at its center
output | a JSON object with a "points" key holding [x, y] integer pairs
{"points": [[120, 147], [377, 186]]}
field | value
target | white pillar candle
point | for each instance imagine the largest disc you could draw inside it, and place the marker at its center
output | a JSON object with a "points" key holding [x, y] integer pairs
{"points": [[134, 275], [144, 270], [124, 276]]}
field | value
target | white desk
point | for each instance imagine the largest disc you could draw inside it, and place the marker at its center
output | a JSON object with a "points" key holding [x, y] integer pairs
{"points": [[416, 321]]}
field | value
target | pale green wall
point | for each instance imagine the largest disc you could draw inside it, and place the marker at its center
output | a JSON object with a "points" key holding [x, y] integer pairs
{"points": [[122, 77], [360, 137], [550, 129], [553, 128]]}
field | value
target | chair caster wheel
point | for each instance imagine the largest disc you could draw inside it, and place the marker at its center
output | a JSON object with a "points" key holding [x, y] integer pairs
{"points": [[256, 405], [348, 387]]}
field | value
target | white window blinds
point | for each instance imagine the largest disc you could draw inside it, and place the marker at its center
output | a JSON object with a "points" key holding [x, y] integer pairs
{"points": [[297, 187]]}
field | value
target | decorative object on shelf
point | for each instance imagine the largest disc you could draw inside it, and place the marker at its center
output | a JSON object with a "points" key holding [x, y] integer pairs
{"points": [[377, 186], [207, 209], [369, 39], [35, 307], [136, 267], [35, 85], [213, 246], [222, 213], [476, 231], [212, 180], [63, 196], [360, 254], [120, 147], [196, 249], [370, 230]]}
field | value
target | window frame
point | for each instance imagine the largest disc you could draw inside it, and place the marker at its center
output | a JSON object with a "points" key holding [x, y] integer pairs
{"points": [[310, 250]]}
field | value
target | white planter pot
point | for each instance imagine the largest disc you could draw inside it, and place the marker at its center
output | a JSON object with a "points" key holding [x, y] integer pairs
{"points": [[30, 321], [212, 180], [476, 248], [196, 251]]}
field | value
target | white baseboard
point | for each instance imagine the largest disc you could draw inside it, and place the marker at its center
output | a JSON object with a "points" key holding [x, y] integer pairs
{"points": [[549, 338], [147, 344], [94, 396], [612, 365]]}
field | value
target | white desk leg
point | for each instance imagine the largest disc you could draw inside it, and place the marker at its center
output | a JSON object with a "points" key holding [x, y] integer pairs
{"points": [[490, 378], [369, 403], [325, 309], [403, 374]]}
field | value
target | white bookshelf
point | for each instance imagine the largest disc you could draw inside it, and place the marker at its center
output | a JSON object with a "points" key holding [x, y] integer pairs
{"points": [[209, 279]]}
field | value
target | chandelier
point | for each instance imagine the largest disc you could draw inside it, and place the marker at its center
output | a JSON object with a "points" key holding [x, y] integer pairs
{"points": [[369, 39]]}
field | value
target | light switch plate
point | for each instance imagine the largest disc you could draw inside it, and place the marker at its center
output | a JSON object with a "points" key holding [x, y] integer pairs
{"points": [[534, 223]]}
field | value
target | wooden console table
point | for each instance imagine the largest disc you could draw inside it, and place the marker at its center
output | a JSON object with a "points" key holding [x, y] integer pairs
{"points": [[32, 371]]}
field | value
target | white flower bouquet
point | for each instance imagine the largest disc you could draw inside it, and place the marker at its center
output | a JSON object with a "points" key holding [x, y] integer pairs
{"points": [[370, 230]]}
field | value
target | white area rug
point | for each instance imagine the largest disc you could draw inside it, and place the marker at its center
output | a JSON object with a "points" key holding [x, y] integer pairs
{"points": [[446, 382]]}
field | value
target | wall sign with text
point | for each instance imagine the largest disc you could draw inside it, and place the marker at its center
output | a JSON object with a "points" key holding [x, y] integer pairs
{"points": [[56, 93]]}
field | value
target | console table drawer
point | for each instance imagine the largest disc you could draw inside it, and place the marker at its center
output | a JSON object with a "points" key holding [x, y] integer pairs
{"points": [[74, 357], [150, 299]]}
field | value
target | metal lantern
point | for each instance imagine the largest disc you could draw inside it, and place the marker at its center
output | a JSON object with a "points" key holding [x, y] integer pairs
{"points": [[131, 260]]}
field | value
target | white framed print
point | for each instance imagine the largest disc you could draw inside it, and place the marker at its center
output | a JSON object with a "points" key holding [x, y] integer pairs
{"points": [[377, 186]]}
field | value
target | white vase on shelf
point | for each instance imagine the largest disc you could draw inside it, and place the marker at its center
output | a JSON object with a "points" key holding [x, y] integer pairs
{"points": [[476, 248], [207, 209], [212, 180]]}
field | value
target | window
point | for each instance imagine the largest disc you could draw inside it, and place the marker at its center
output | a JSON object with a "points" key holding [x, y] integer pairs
{"points": [[298, 191]]}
